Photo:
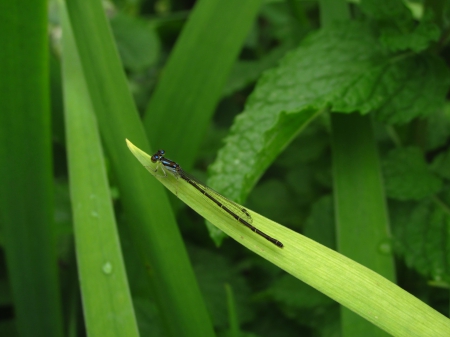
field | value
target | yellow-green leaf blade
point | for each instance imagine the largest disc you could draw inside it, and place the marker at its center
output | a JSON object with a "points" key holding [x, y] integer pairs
{"points": [[358, 288]]}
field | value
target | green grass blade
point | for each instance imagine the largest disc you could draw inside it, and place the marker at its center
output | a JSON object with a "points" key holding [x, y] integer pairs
{"points": [[358, 288], [149, 215], [362, 224], [360, 206], [107, 305], [26, 199], [195, 74]]}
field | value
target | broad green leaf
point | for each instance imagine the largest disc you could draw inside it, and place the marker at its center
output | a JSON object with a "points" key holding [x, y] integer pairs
{"points": [[342, 67]]}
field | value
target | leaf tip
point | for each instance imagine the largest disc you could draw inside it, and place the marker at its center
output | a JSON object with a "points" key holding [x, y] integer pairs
{"points": [[130, 145]]}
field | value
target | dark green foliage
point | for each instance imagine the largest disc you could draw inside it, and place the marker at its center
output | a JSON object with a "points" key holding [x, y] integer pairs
{"points": [[441, 165], [320, 224], [387, 64], [407, 175], [398, 30], [213, 272], [271, 138], [343, 67], [421, 236]]}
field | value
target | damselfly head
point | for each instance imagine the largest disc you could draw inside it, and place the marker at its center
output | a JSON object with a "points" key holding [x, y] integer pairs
{"points": [[157, 156]]}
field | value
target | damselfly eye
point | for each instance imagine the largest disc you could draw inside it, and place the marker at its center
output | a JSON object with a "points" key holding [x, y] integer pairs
{"points": [[155, 158]]}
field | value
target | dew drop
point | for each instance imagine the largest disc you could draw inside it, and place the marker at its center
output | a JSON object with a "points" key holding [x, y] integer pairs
{"points": [[385, 247], [107, 268]]}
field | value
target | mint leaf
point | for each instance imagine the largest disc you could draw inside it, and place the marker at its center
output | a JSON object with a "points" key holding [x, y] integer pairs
{"points": [[392, 88], [420, 232], [407, 175], [342, 67]]}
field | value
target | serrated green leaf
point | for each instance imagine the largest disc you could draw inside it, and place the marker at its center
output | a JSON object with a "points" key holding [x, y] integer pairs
{"points": [[408, 176], [343, 67], [421, 236], [397, 90], [243, 160]]}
